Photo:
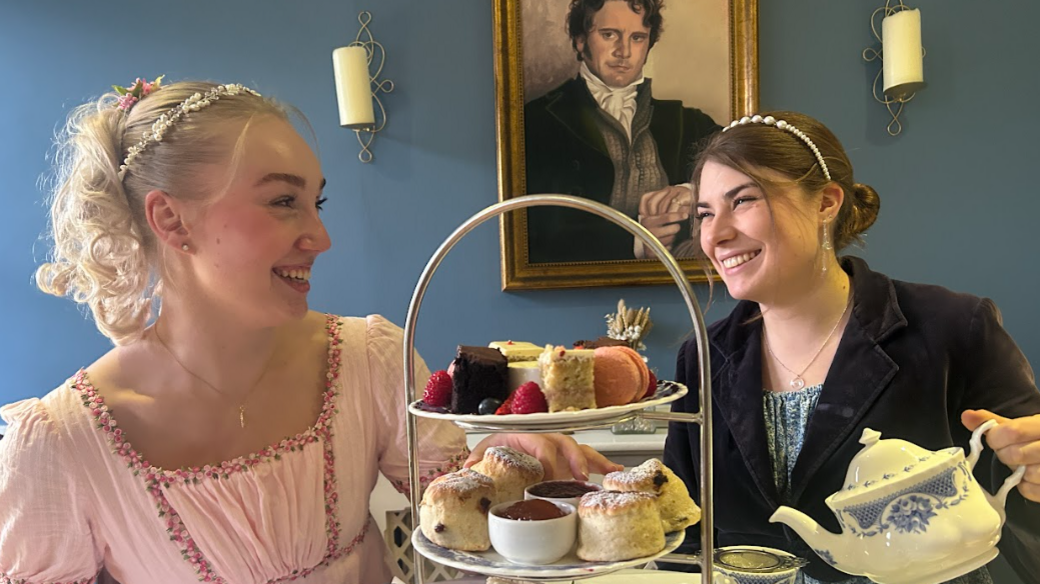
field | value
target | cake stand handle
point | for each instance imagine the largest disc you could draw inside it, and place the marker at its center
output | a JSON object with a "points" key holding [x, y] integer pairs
{"points": [[700, 332]]}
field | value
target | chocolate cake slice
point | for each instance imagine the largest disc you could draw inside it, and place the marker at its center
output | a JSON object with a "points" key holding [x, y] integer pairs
{"points": [[600, 342], [480, 372]]}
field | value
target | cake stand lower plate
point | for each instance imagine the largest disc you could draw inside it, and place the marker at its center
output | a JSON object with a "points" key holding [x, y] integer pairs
{"points": [[490, 563]]}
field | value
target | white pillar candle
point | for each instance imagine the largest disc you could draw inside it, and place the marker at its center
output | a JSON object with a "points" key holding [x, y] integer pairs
{"points": [[353, 87], [902, 53]]}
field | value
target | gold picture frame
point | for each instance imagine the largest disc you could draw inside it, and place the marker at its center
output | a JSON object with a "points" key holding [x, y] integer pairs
{"points": [[518, 272]]}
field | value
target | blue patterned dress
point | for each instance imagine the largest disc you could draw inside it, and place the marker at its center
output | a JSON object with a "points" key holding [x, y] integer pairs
{"points": [[787, 416]]}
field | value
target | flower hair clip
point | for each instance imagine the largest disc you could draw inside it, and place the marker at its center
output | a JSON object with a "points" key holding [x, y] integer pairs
{"points": [[136, 92]]}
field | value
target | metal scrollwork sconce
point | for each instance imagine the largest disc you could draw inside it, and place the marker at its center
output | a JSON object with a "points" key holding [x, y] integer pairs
{"points": [[902, 57], [357, 90]]}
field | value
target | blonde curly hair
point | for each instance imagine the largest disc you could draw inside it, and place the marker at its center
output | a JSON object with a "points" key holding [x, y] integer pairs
{"points": [[104, 253]]}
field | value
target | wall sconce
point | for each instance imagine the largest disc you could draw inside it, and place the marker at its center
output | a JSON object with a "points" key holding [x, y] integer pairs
{"points": [[902, 58], [357, 89]]}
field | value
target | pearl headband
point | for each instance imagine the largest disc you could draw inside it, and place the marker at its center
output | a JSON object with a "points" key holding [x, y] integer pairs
{"points": [[162, 125], [782, 125]]}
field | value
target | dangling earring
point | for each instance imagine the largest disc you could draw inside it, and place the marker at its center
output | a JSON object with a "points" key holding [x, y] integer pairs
{"points": [[827, 246]]}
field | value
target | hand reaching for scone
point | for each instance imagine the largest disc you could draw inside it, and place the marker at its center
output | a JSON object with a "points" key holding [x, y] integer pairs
{"points": [[561, 457]]}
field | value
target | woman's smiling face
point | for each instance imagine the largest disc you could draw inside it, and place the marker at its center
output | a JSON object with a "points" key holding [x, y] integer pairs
{"points": [[257, 241], [765, 250]]}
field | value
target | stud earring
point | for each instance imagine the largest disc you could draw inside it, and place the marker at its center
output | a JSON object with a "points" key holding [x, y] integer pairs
{"points": [[185, 247]]}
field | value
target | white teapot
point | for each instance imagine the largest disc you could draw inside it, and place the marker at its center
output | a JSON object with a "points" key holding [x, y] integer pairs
{"points": [[909, 515]]}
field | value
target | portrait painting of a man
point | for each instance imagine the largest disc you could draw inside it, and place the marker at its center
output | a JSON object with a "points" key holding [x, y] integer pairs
{"points": [[602, 135], [615, 97]]}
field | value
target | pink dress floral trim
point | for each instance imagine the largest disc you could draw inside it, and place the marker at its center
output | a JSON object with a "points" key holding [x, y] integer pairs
{"points": [[155, 479], [451, 465]]}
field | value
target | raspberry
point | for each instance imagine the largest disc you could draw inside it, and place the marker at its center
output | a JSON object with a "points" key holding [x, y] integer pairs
{"points": [[529, 399], [438, 390], [651, 387], [506, 407]]}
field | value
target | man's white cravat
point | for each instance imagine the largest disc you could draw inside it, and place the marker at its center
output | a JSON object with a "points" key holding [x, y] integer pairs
{"points": [[619, 102]]}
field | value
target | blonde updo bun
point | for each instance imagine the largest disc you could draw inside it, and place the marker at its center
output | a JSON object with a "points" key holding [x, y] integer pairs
{"points": [[104, 253]]}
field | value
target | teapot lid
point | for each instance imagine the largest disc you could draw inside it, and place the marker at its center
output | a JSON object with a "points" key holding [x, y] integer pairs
{"points": [[884, 462]]}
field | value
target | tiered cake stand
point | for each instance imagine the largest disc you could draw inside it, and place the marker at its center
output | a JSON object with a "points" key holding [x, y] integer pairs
{"points": [[561, 422]]}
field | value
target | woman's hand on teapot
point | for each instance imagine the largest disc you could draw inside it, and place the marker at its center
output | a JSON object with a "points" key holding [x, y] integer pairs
{"points": [[1016, 442], [560, 455]]}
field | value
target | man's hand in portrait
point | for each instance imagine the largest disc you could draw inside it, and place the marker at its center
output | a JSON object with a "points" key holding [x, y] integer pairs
{"points": [[663, 211]]}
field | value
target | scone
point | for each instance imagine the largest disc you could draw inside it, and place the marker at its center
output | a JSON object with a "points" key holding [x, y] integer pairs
{"points": [[615, 526], [678, 511], [511, 470], [454, 508], [567, 377]]}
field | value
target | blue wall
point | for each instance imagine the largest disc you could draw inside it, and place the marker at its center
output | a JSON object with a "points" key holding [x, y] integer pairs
{"points": [[958, 188]]}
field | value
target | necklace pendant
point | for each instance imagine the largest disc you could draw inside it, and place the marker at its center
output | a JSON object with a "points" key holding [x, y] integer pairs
{"points": [[242, 416], [796, 384]]}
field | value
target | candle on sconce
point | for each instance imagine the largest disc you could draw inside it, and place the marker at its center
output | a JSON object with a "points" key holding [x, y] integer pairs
{"points": [[902, 53], [353, 87]]}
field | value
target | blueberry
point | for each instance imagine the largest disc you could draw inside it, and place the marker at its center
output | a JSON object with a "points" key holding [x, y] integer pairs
{"points": [[488, 406]]}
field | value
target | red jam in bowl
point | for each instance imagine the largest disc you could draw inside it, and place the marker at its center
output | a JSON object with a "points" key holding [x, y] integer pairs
{"points": [[532, 510], [561, 489]]}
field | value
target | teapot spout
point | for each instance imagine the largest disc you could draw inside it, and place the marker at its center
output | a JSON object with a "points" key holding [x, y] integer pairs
{"points": [[831, 547]]}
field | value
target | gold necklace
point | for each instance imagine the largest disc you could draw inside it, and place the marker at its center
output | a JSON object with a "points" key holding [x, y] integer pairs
{"points": [[241, 405], [797, 382]]}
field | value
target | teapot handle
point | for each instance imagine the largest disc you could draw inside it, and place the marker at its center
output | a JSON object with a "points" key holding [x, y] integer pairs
{"points": [[976, 442], [1009, 483], [976, 449]]}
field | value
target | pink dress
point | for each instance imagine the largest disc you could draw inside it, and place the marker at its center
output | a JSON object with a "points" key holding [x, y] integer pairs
{"points": [[75, 496]]}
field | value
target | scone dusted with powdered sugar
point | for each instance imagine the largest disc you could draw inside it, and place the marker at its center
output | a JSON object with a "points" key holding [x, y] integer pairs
{"points": [[454, 509], [567, 378], [511, 470], [678, 511], [615, 526]]}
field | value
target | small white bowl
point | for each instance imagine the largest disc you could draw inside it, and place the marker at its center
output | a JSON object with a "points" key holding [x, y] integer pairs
{"points": [[529, 492], [536, 542]]}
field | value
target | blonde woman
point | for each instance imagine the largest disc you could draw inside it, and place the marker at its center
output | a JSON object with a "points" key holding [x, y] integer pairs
{"points": [[232, 435], [821, 347]]}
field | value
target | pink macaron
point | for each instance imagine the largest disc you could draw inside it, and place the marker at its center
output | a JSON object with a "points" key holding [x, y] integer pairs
{"points": [[620, 376]]}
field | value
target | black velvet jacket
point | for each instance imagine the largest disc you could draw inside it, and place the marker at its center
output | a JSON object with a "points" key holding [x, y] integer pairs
{"points": [[912, 358]]}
